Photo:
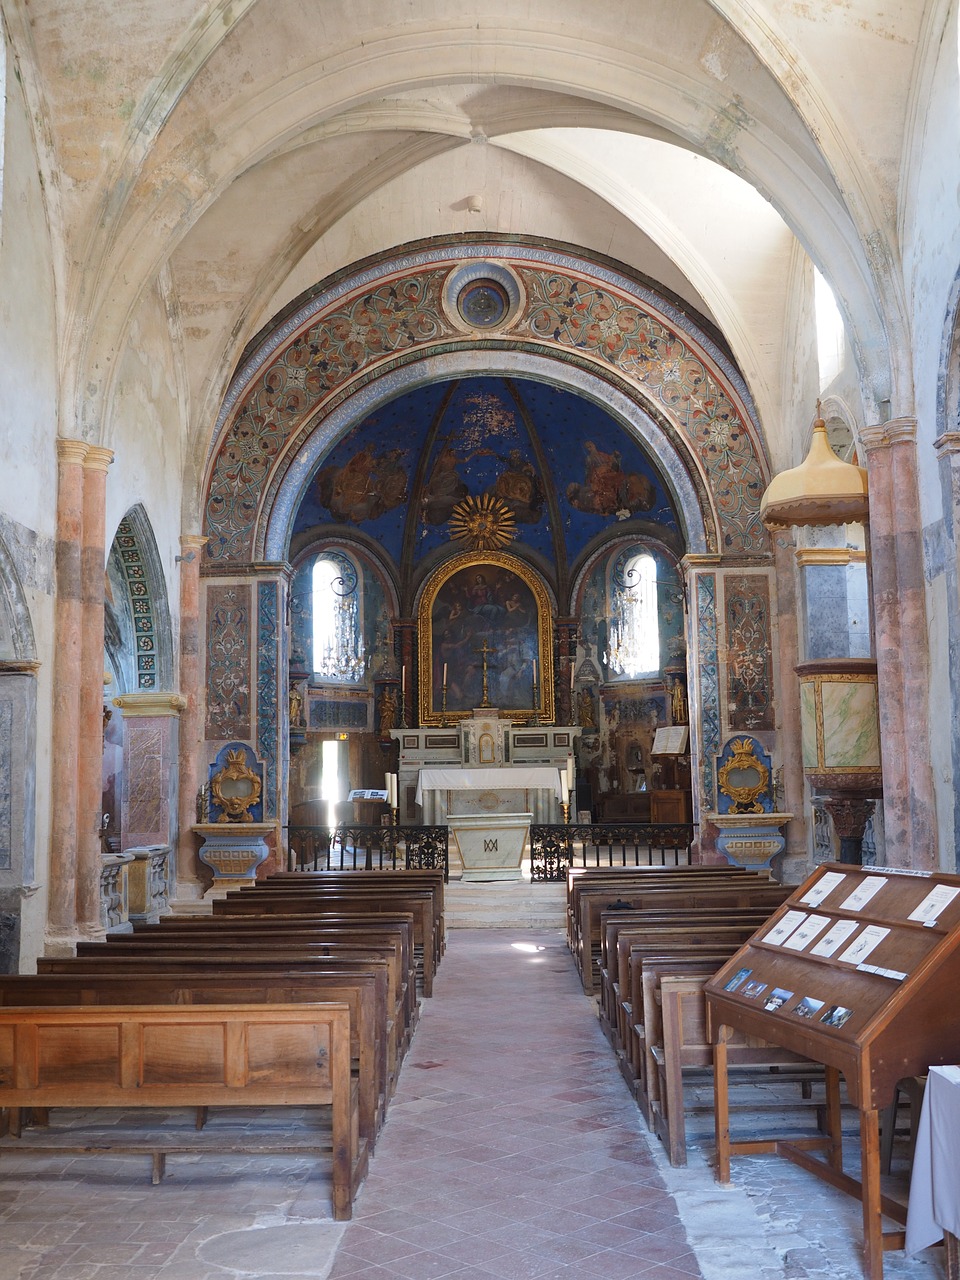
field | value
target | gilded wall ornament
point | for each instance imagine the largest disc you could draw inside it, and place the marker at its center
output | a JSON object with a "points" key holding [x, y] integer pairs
{"points": [[485, 523]]}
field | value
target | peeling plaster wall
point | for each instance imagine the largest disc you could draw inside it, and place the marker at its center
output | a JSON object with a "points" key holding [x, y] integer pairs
{"points": [[28, 429], [931, 248], [147, 434]]}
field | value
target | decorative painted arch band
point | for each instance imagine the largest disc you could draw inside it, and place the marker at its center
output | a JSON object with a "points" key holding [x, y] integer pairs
{"points": [[569, 308]]}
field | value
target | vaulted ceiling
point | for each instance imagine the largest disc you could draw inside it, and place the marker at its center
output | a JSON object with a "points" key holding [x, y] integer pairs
{"points": [[223, 157]]}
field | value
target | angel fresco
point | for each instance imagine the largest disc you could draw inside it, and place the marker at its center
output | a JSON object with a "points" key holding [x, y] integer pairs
{"points": [[365, 487], [518, 486], [607, 489]]}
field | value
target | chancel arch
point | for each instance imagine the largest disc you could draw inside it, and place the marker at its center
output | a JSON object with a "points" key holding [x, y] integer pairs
{"points": [[593, 409]]}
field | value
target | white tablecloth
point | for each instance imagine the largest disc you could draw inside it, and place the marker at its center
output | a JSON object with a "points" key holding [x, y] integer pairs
{"points": [[518, 778], [935, 1183]]}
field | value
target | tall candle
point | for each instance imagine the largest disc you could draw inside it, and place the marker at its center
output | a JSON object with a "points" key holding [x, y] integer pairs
{"points": [[570, 772], [444, 673], [403, 680], [564, 789], [573, 675], [534, 671]]}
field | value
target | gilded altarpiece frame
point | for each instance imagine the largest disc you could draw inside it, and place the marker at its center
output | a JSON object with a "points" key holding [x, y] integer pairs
{"points": [[485, 625]]}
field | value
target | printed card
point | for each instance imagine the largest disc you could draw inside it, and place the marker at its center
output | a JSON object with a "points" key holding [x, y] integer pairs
{"points": [[867, 889], [858, 951], [784, 927], [806, 932], [935, 903], [834, 940], [823, 888]]}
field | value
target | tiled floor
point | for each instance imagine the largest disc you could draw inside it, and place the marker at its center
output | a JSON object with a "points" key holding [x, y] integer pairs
{"points": [[512, 1150]]}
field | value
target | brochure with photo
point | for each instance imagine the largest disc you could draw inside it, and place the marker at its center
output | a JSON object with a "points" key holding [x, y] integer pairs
{"points": [[934, 904], [777, 999], [806, 932], [836, 1016], [862, 894], [823, 888], [808, 1007], [784, 927], [753, 989], [858, 950], [835, 938], [737, 978]]}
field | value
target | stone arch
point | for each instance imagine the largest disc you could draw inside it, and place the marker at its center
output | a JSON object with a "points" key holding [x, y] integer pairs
{"points": [[138, 636], [584, 324]]}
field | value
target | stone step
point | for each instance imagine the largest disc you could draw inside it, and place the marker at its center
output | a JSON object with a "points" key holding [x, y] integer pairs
{"points": [[499, 904]]}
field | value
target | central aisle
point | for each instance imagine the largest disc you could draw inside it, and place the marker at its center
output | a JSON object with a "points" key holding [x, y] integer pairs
{"points": [[512, 1149]]}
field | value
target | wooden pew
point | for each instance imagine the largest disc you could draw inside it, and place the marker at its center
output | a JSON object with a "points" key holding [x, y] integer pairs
{"points": [[218, 960], [364, 991], [612, 887], [686, 1044], [719, 894], [142, 1056], [610, 879], [317, 901], [308, 936], [382, 882], [615, 930]]}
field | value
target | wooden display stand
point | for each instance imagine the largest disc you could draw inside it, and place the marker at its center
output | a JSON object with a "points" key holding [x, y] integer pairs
{"points": [[858, 970]]}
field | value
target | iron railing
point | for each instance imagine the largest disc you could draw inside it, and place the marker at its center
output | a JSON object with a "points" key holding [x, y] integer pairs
{"points": [[554, 848], [368, 848]]}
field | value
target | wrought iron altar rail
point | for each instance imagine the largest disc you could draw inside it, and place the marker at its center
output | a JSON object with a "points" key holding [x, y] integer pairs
{"points": [[368, 848], [554, 848]]}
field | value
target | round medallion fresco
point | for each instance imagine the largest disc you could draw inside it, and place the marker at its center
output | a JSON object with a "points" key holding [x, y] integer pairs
{"points": [[483, 304]]}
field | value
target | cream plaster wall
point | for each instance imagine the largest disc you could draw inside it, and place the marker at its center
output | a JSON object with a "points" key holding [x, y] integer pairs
{"points": [[28, 430]]}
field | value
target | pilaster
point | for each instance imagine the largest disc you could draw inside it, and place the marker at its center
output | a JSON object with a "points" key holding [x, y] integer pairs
{"points": [[191, 772]]}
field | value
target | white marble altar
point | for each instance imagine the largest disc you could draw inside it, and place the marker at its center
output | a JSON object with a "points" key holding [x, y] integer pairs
{"points": [[491, 845]]}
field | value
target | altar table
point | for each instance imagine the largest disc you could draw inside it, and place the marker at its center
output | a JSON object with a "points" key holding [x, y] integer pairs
{"points": [[517, 789]]}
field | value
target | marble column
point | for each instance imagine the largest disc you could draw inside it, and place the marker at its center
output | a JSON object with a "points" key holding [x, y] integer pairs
{"points": [[62, 896], [903, 662], [947, 448], [93, 559], [788, 700], [565, 711], [189, 883], [405, 628]]}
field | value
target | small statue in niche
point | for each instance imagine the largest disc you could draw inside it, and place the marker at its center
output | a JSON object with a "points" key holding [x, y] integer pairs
{"points": [[296, 707], [678, 702], [586, 714], [389, 704]]}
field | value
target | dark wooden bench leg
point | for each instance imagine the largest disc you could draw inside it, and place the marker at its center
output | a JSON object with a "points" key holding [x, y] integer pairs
{"points": [[159, 1167]]}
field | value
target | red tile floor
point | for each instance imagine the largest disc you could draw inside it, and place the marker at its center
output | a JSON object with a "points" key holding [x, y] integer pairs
{"points": [[512, 1149]]}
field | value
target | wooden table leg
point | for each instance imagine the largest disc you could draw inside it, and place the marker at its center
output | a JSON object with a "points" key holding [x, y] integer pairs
{"points": [[721, 1104], [834, 1122], [870, 1182]]}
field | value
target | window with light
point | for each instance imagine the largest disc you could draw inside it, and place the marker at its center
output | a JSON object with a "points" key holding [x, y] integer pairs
{"points": [[338, 655], [634, 648]]}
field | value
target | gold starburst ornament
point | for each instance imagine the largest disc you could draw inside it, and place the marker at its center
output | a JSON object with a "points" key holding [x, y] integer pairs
{"points": [[484, 523]]}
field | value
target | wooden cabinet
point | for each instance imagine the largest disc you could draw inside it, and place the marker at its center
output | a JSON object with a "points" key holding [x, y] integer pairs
{"points": [[669, 806], [858, 970]]}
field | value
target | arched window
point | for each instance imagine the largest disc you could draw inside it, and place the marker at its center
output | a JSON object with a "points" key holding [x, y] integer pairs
{"points": [[634, 649], [337, 624]]}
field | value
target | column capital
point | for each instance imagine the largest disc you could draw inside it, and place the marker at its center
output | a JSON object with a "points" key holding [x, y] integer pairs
{"points": [[98, 458], [948, 445], [881, 435], [192, 542], [150, 704], [72, 451]]}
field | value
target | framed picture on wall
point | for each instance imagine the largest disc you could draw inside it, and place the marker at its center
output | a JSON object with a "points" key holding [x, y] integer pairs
{"points": [[484, 627]]}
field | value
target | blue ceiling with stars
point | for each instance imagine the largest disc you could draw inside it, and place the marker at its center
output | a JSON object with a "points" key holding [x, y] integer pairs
{"points": [[564, 467]]}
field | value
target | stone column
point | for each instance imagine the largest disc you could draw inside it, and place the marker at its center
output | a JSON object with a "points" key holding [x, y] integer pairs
{"points": [[62, 898], [405, 628], [903, 663], [189, 885], [567, 630], [90, 756], [788, 701], [947, 447]]}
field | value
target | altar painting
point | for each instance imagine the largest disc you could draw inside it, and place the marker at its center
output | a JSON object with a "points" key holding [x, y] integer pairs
{"points": [[484, 626]]}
